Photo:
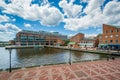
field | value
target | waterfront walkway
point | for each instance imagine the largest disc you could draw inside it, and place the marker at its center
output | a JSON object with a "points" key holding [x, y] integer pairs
{"points": [[95, 70]]}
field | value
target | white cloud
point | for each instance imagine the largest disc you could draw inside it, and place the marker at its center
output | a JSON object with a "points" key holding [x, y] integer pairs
{"points": [[50, 16], [95, 17], [90, 35], [93, 7], [84, 1], [27, 25], [4, 18], [8, 31], [112, 13], [46, 14], [71, 35], [70, 10]]}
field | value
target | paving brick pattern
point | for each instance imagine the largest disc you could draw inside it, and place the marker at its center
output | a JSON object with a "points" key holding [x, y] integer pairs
{"points": [[95, 70]]}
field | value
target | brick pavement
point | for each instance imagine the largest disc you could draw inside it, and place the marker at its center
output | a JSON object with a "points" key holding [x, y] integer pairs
{"points": [[95, 70]]}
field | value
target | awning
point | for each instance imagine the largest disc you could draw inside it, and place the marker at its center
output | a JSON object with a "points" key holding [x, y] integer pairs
{"points": [[115, 45], [71, 43], [103, 44]]}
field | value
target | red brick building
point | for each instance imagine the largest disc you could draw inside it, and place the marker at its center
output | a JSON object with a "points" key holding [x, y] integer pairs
{"points": [[75, 40], [110, 36]]}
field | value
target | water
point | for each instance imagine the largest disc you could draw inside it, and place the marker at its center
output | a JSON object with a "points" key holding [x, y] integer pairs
{"points": [[41, 56]]}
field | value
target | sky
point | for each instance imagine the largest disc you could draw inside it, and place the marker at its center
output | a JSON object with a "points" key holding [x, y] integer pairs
{"points": [[67, 17]]}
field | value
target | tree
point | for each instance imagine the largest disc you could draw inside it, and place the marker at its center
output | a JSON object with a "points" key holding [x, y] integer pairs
{"points": [[66, 42]]}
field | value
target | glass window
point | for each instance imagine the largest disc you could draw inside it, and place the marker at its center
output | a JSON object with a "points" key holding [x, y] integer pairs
{"points": [[116, 35], [106, 36], [111, 36], [117, 30], [105, 41], [116, 41], [106, 31], [111, 40], [111, 31]]}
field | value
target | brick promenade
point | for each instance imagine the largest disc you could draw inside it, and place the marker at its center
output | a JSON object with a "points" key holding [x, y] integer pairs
{"points": [[95, 70]]}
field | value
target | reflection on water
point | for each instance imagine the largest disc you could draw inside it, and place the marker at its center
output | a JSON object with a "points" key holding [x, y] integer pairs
{"points": [[40, 56]]}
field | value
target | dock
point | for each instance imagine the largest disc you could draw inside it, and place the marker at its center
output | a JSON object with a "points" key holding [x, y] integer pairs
{"points": [[22, 47], [106, 52]]}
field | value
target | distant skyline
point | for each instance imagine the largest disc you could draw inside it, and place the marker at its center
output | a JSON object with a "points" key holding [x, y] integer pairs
{"points": [[67, 17]]}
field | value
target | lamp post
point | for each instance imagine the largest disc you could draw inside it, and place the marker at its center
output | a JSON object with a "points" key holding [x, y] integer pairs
{"points": [[108, 53], [10, 69], [70, 61]]}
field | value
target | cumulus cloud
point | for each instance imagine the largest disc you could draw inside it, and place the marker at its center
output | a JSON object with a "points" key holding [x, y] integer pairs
{"points": [[71, 15], [27, 25], [70, 10], [8, 31], [95, 16], [46, 14], [84, 1], [90, 35], [4, 18], [112, 13]]}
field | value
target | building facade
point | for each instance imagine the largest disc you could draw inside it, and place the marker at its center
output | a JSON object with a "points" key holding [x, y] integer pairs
{"points": [[39, 38], [87, 43], [79, 41], [75, 40], [110, 36]]}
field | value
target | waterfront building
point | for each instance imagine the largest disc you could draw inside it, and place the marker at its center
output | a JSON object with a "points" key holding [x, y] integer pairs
{"points": [[87, 43], [26, 37], [4, 43], [79, 41], [11, 42], [74, 40], [110, 37]]}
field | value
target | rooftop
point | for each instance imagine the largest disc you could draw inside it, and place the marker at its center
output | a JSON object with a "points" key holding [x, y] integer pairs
{"points": [[43, 32], [113, 26]]}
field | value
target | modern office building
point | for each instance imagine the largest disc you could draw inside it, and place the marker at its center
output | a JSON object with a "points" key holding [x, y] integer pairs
{"points": [[25, 37], [110, 37]]}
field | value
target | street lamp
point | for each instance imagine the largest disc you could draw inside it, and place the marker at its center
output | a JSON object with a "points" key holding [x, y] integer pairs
{"points": [[70, 61], [10, 69]]}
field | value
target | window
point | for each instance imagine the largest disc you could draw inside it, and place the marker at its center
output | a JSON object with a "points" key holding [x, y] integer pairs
{"points": [[111, 31], [111, 36], [116, 35], [116, 41], [106, 31], [111, 40], [106, 36], [105, 41], [117, 30]]}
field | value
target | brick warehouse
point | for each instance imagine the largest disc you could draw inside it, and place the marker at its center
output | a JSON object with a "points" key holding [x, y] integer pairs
{"points": [[110, 37]]}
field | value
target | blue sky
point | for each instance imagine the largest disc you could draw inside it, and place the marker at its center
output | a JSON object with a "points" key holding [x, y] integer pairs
{"points": [[64, 16]]}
